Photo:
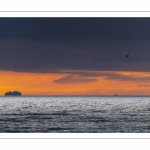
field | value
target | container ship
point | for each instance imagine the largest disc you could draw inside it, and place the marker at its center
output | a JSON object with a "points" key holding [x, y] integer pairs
{"points": [[13, 93]]}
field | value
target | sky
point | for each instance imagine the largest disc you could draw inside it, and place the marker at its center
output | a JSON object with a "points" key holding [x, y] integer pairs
{"points": [[75, 56]]}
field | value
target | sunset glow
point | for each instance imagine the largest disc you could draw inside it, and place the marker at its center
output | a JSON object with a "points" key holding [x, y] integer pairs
{"points": [[122, 83]]}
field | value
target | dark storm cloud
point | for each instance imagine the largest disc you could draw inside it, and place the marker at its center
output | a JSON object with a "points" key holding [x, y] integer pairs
{"points": [[74, 28], [55, 44], [72, 79]]}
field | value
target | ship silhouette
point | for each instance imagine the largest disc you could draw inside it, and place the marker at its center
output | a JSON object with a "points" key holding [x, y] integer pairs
{"points": [[13, 93]]}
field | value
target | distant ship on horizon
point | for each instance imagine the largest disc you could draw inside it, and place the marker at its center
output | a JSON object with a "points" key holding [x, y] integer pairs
{"points": [[115, 94], [13, 93]]}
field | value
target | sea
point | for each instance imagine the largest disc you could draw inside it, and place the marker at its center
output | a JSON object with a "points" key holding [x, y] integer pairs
{"points": [[74, 114]]}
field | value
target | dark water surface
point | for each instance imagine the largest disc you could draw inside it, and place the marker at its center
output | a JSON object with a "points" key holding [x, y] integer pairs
{"points": [[75, 114]]}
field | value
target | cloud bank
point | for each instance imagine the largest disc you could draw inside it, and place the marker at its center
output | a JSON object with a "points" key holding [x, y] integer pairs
{"points": [[72, 79], [92, 76]]}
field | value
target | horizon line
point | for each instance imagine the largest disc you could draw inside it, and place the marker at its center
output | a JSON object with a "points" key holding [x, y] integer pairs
{"points": [[77, 96]]}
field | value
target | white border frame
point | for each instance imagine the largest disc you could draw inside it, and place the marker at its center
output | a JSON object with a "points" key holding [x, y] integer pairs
{"points": [[75, 14]]}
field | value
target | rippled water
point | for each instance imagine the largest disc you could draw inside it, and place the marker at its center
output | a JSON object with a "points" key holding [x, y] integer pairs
{"points": [[75, 114]]}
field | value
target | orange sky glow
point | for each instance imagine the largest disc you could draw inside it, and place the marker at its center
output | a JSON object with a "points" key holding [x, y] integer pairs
{"points": [[128, 83]]}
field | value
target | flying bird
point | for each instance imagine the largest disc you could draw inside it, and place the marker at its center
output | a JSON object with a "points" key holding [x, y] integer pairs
{"points": [[95, 43], [127, 55]]}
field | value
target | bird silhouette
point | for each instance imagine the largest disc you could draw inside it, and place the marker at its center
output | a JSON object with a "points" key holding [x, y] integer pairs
{"points": [[95, 43], [127, 55]]}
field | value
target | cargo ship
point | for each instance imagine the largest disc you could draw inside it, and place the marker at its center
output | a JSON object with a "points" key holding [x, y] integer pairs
{"points": [[13, 93]]}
